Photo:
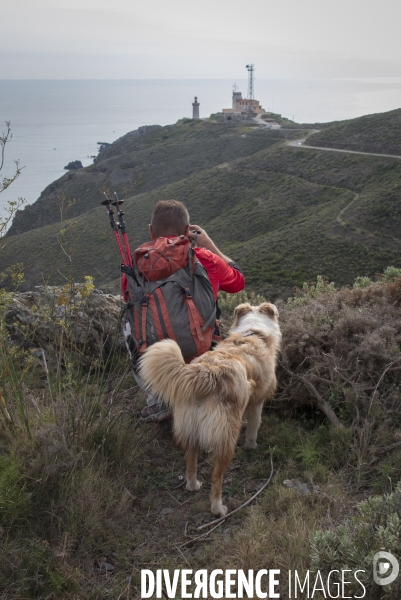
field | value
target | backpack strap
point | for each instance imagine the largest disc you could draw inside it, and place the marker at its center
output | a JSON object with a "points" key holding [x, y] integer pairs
{"points": [[145, 304], [192, 259], [129, 306], [137, 275], [210, 320], [157, 318], [163, 314], [193, 319], [136, 323]]}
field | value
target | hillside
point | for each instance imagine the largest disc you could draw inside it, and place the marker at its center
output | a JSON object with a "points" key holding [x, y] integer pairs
{"points": [[379, 133], [286, 214], [142, 160]]}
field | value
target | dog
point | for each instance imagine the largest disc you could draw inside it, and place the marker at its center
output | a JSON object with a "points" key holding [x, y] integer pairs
{"points": [[210, 395]]}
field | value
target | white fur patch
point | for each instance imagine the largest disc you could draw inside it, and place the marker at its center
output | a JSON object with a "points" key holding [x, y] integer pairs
{"points": [[257, 321]]}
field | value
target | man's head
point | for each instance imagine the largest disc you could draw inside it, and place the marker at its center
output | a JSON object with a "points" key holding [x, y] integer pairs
{"points": [[169, 217]]}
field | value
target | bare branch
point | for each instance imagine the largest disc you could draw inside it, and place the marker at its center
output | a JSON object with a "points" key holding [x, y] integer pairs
{"points": [[5, 138], [379, 382], [320, 402]]}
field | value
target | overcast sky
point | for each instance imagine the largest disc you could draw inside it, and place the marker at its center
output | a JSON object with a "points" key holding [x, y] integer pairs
{"points": [[119, 39]]}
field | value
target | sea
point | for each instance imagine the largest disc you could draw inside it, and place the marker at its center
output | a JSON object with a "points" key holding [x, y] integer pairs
{"points": [[54, 122]]}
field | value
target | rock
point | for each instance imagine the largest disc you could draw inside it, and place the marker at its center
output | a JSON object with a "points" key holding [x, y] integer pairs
{"points": [[75, 164], [177, 482], [298, 486], [118, 177], [48, 316], [105, 566], [103, 145]]}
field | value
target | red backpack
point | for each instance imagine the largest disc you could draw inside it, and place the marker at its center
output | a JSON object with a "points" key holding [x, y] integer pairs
{"points": [[169, 295]]}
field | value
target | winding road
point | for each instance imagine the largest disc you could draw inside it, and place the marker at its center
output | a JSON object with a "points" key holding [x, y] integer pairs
{"points": [[300, 144]]}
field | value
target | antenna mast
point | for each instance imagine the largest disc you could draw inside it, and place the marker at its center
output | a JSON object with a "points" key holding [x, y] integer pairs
{"points": [[250, 81]]}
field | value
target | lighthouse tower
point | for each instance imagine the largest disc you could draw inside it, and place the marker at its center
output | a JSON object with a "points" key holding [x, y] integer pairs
{"points": [[195, 109]]}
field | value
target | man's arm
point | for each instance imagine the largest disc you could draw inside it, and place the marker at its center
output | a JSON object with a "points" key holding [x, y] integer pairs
{"points": [[204, 241], [223, 273]]}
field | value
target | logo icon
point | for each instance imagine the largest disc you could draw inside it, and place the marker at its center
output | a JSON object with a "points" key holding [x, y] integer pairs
{"points": [[385, 568]]}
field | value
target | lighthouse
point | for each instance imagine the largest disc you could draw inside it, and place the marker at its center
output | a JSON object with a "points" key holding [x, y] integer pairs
{"points": [[195, 109]]}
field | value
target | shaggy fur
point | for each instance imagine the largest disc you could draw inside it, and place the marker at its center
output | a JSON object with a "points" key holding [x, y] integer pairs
{"points": [[210, 396]]}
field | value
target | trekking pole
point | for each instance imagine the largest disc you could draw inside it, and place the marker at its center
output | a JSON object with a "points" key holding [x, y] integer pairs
{"points": [[122, 228], [107, 203]]}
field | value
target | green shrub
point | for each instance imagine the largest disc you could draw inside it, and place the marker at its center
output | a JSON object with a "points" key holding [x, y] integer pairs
{"points": [[391, 274], [39, 575], [308, 453], [352, 545], [228, 302], [311, 290], [362, 282], [14, 497]]}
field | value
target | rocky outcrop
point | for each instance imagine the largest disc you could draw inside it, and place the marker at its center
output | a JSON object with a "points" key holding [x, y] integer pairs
{"points": [[76, 318], [74, 164]]}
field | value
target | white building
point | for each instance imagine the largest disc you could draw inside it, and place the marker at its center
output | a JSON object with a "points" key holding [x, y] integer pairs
{"points": [[242, 106]]}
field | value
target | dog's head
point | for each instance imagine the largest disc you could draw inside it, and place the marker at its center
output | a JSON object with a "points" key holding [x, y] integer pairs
{"points": [[266, 309]]}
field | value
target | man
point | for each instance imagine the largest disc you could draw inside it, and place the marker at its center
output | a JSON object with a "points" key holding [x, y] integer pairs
{"points": [[170, 218]]}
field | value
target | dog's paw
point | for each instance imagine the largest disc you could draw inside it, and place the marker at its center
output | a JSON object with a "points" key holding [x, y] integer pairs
{"points": [[250, 445], [193, 486], [218, 509]]}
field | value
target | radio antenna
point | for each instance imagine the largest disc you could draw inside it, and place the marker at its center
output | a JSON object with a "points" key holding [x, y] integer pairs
{"points": [[251, 70]]}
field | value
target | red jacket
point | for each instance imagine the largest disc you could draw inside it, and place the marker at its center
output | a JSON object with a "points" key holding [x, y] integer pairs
{"points": [[222, 276]]}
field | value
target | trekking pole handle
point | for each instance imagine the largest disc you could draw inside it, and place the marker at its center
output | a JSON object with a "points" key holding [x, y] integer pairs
{"points": [[124, 254]]}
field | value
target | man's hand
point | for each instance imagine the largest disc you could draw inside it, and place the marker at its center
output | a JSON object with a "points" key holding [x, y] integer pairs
{"points": [[204, 241], [201, 237]]}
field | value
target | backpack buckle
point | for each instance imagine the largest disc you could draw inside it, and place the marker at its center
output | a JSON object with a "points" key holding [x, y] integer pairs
{"points": [[145, 300], [187, 293]]}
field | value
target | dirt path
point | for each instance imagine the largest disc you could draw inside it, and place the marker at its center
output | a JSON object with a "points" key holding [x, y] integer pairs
{"points": [[258, 119], [300, 144], [342, 211]]}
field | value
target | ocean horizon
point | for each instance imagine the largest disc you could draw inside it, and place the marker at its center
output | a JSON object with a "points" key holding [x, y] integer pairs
{"points": [[57, 121]]}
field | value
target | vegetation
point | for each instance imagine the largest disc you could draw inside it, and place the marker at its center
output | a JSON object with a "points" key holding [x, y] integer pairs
{"points": [[284, 214], [353, 544]]}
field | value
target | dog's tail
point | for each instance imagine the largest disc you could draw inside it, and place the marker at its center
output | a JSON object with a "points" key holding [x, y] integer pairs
{"points": [[164, 372], [208, 397]]}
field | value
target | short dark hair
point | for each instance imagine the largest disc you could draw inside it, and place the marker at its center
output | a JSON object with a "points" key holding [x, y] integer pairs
{"points": [[170, 217]]}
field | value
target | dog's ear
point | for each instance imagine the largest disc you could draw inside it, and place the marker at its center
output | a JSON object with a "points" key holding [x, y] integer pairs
{"points": [[240, 311], [268, 309]]}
